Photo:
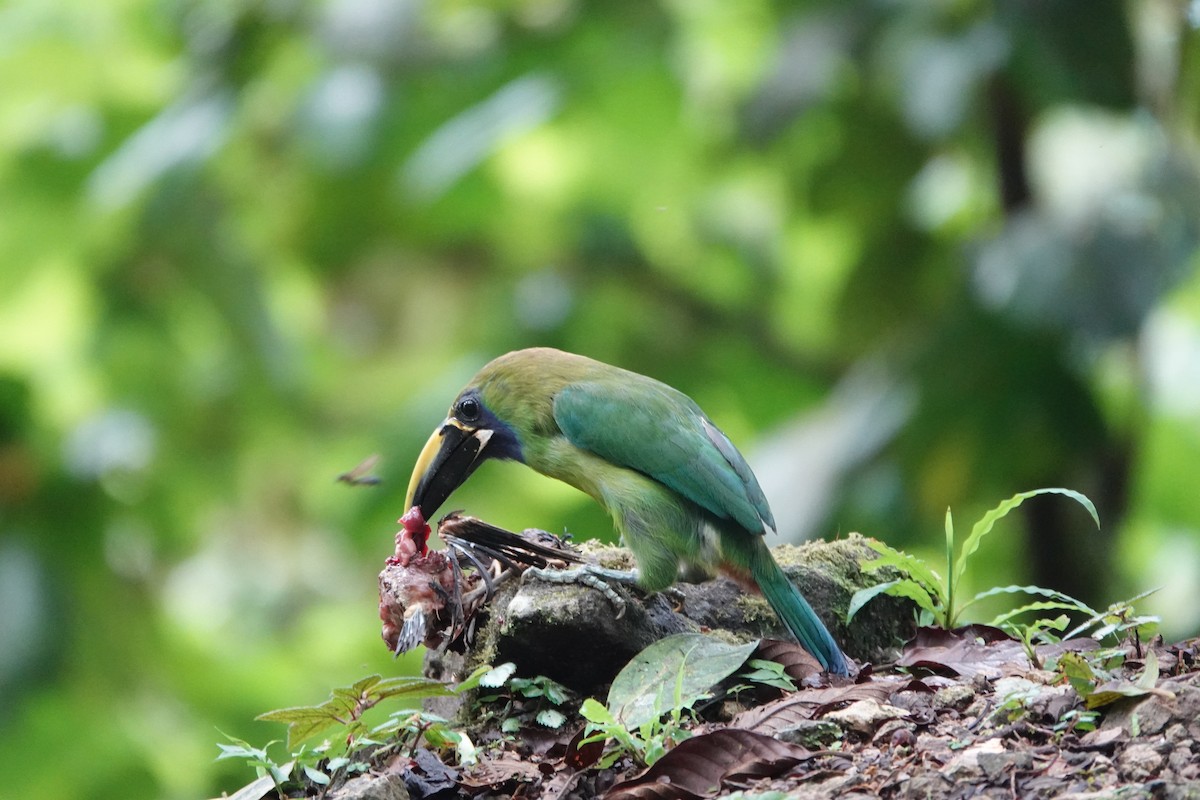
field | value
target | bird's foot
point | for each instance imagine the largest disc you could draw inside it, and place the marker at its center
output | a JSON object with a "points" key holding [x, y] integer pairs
{"points": [[598, 578]]}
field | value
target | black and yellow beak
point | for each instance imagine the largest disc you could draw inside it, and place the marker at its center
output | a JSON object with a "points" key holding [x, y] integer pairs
{"points": [[448, 458]]}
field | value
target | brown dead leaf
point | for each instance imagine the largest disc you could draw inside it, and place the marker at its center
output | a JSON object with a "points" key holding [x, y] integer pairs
{"points": [[1080, 644], [547, 742], [497, 772], [1104, 739], [796, 662], [770, 718], [697, 767], [968, 651], [581, 756]]}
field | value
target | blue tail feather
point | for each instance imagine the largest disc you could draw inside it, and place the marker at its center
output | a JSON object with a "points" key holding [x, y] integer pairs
{"points": [[796, 613]]}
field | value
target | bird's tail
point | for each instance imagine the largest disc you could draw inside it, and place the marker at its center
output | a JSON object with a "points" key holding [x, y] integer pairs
{"points": [[795, 612]]}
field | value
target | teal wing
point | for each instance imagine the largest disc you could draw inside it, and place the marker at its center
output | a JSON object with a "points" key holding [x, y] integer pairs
{"points": [[647, 426]]}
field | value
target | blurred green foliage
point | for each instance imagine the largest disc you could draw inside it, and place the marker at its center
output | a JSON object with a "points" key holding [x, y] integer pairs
{"points": [[908, 254]]}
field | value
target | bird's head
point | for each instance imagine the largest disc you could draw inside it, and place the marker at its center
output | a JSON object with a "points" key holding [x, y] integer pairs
{"points": [[505, 407], [471, 433]]}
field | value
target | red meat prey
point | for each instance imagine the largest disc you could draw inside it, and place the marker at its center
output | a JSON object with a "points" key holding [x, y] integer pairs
{"points": [[414, 587], [412, 539], [412, 600]]}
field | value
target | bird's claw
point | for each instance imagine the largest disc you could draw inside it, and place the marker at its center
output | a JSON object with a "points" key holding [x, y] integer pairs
{"points": [[598, 578]]}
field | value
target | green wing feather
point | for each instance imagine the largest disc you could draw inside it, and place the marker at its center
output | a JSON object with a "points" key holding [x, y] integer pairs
{"points": [[641, 424]]}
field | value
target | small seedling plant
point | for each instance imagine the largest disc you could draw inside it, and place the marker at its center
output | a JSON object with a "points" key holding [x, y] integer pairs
{"points": [[521, 700], [650, 703], [311, 763], [940, 604], [647, 742], [343, 714], [937, 597]]}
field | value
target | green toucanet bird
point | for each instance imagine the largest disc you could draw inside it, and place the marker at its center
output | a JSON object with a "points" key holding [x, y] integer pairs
{"points": [[681, 495]]}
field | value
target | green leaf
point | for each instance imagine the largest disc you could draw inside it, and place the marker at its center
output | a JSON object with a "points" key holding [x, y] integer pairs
{"points": [[298, 714], [440, 737], [555, 692], [1116, 609], [907, 563], [901, 587], [768, 673], [1040, 605], [1111, 693], [984, 526], [673, 673], [1149, 677], [596, 713], [497, 676], [410, 688], [468, 754], [243, 749], [1078, 672], [864, 596], [1068, 602], [474, 679], [1083, 679], [255, 790], [951, 577], [281, 773], [655, 749], [350, 696], [1045, 625], [236, 751], [347, 703], [550, 718], [304, 722], [316, 776]]}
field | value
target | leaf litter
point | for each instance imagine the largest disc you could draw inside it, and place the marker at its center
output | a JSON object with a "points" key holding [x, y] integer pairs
{"points": [[965, 712], [967, 715]]}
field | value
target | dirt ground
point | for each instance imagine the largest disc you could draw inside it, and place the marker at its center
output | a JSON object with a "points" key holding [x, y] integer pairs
{"points": [[957, 714], [997, 729]]}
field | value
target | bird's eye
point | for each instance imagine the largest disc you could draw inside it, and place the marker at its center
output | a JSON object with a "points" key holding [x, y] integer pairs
{"points": [[468, 409]]}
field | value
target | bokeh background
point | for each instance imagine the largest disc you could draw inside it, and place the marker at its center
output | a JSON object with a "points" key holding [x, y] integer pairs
{"points": [[909, 255]]}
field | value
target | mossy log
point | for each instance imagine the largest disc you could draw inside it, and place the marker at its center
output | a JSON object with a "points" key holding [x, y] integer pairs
{"points": [[573, 633]]}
